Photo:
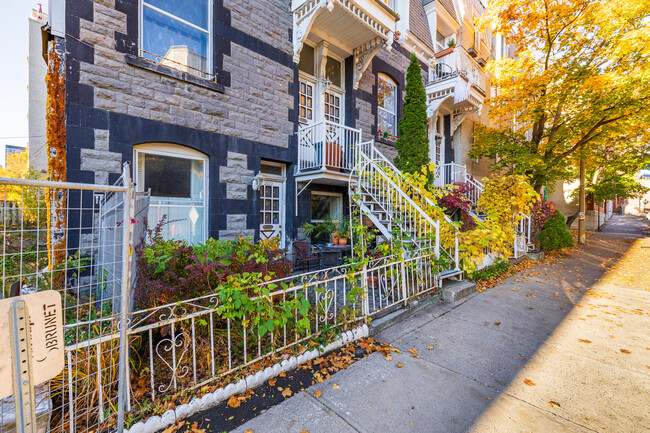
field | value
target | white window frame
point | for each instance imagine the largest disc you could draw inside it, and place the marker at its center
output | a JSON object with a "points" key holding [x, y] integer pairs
{"points": [[176, 151], [336, 90], [209, 31], [385, 77], [337, 195], [308, 79]]}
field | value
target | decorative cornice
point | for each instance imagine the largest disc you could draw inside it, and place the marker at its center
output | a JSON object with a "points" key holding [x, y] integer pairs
{"points": [[364, 54]]}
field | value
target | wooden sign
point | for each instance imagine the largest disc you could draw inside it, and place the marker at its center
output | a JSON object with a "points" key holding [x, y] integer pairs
{"points": [[47, 345]]}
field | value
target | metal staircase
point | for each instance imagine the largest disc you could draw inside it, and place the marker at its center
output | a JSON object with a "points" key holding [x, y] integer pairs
{"points": [[395, 210], [455, 173]]}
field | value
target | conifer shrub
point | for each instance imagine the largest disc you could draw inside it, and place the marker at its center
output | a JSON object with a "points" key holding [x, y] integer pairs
{"points": [[555, 235], [413, 143]]}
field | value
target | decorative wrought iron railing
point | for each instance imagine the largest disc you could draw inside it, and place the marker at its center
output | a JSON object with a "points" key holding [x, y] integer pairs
{"points": [[327, 146]]}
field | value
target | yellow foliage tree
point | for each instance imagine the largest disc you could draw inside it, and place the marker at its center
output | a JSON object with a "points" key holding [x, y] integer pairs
{"points": [[31, 200], [579, 78]]}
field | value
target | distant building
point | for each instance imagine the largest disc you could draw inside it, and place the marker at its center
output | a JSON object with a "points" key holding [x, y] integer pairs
{"points": [[10, 150], [37, 93]]}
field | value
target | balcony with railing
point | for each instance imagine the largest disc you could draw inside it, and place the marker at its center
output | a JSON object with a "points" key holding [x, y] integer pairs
{"points": [[456, 76], [326, 152], [361, 27]]}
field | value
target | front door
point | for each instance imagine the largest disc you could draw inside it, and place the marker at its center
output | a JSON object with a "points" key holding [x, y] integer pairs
{"points": [[272, 201]]}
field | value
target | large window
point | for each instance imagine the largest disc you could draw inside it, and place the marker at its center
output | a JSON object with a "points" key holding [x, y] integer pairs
{"points": [[387, 105], [177, 179], [177, 33], [325, 205]]}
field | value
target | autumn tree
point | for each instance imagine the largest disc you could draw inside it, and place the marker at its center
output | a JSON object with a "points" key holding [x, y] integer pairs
{"points": [[413, 144], [31, 200], [579, 79]]}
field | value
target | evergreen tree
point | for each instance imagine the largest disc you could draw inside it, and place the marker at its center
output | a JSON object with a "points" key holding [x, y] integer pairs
{"points": [[413, 144]]}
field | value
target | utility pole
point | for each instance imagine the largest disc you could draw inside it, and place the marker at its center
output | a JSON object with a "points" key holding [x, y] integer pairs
{"points": [[582, 205]]}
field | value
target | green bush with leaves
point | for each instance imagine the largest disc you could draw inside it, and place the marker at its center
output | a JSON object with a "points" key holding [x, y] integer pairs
{"points": [[555, 235]]}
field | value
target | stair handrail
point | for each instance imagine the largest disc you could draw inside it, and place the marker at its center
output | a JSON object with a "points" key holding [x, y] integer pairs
{"points": [[376, 154], [369, 162]]}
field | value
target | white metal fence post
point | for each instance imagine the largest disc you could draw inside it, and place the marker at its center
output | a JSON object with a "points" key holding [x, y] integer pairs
{"points": [[364, 284], [403, 271], [125, 299]]}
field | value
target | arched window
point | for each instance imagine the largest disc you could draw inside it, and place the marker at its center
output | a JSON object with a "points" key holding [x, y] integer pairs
{"points": [[178, 180], [386, 106]]}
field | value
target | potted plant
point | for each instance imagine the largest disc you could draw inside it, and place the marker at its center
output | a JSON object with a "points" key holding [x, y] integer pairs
{"points": [[320, 232], [451, 43], [342, 231]]}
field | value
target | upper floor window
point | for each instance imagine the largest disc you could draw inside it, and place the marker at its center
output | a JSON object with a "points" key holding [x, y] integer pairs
{"points": [[177, 33], [386, 106]]}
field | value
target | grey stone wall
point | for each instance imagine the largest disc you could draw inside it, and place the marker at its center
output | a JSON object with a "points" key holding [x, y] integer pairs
{"points": [[267, 20], [247, 109], [237, 177]]}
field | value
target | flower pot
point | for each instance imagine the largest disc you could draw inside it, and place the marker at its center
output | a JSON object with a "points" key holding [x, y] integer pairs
{"points": [[336, 241], [343, 241], [332, 156]]}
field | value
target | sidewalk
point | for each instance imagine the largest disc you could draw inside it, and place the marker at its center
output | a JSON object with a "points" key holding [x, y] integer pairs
{"points": [[562, 347]]}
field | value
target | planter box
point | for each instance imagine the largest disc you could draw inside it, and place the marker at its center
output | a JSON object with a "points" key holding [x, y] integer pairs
{"points": [[332, 156], [535, 255]]}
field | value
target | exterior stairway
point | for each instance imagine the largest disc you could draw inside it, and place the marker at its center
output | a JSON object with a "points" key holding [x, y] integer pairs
{"points": [[396, 213], [451, 173]]}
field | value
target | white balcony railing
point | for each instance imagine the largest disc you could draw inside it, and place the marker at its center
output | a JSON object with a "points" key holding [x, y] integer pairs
{"points": [[458, 62], [327, 146]]}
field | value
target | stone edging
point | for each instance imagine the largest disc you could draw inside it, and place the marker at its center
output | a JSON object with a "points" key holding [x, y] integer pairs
{"points": [[157, 423]]}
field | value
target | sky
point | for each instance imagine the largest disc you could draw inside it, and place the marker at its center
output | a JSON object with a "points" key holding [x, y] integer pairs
{"points": [[13, 74]]}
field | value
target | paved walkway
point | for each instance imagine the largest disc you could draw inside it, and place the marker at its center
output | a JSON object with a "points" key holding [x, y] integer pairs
{"points": [[561, 347]]}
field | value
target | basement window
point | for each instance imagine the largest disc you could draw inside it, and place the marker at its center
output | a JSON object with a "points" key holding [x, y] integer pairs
{"points": [[176, 176]]}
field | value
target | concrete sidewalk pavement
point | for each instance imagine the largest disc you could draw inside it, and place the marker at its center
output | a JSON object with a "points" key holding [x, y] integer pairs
{"points": [[561, 347]]}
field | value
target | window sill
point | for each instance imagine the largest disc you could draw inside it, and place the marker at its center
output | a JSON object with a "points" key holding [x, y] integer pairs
{"points": [[141, 63], [385, 141]]}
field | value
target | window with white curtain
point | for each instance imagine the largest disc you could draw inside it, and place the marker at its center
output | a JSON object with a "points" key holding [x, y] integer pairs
{"points": [[177, 178], [386, 104], [177, 33]]}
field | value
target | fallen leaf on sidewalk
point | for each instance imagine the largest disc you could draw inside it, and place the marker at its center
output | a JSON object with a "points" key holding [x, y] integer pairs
{"points": [[248, 431], [529, 382], [272, 381], [497, 323], [233, 401], [553, 404], [318, 393], [335, 386], [286, 393], [282, 374], [414, 352], [430, 347], [582, 340], [400, 365], [625, 351]]}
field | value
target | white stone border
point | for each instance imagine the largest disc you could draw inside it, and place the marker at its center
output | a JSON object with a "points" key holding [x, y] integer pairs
{"points": [[157, 423]]}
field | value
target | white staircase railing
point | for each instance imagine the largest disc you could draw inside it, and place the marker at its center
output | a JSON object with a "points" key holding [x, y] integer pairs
{"points": [[384, 200], [327, 145]]}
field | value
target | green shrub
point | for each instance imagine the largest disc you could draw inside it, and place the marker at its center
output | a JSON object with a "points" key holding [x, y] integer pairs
{"points": [[499, 267], [555, 235]]}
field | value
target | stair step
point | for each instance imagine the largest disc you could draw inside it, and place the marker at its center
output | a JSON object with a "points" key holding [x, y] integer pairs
{"points": [[450, 273]]}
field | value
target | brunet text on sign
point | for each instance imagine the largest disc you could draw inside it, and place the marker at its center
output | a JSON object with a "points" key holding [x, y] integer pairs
{"points": [[47, 345]]}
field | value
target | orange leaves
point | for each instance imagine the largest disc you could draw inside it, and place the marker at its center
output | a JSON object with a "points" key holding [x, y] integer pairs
{"points": [[553, 404], [400, 365], [625, 351], [286, 393], [430, 347], [318, 393], [236, 400], [529, 382], [414, 352], [272, 381], [582, 340]]}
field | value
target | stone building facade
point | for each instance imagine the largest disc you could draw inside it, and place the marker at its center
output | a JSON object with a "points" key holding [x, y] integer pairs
{"points": [[209, 103]]}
